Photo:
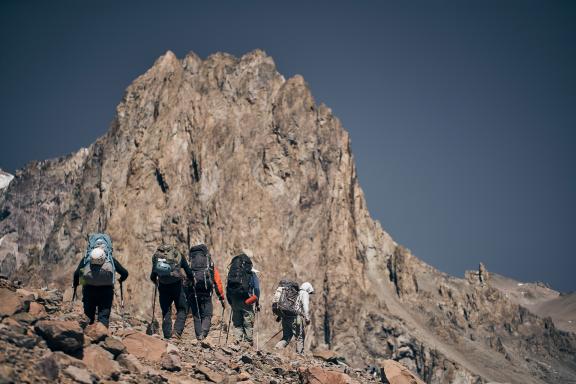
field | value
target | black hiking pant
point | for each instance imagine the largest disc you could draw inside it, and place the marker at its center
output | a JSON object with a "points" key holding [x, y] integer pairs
{"points": [[202, 314], [98, 298], [172, 293]]}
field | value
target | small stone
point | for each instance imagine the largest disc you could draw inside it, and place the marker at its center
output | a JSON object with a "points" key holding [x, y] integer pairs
{"points": [[113, 345], [37, 310], [130, 363], [97, 332], [246, 359], [209, 374], [80, 375], [243, 376], [25, 318]]}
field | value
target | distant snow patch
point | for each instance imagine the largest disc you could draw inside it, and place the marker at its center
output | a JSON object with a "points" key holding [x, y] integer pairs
{"points": [[5, 179]]}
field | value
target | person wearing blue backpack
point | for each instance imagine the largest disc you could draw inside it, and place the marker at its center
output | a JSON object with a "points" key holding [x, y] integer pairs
{"points": [[96, 272], [167, 266]]}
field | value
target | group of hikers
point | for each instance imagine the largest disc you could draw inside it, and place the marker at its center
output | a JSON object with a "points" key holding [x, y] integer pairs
{"points": [[188, 284]]}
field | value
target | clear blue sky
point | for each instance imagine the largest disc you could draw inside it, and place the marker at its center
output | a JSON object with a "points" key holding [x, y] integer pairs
{"points": [[462, 113]]}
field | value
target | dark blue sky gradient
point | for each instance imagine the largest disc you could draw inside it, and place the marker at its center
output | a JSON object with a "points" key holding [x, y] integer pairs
{"points": [[462, 114]]}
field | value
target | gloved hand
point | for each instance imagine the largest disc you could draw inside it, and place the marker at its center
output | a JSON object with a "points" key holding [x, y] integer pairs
{"points": [[308, 321], [257, 307], [278, 319]]}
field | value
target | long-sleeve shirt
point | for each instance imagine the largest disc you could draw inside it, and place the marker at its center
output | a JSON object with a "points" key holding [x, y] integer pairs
{"points": [[183, 264], [117, 266], [218, 287], [304, 299]]}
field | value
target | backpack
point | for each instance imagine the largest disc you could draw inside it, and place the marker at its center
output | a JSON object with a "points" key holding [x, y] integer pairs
{"points": [[202, 269], [285, 300], [98, 272], [166, 264], [239, 282]]}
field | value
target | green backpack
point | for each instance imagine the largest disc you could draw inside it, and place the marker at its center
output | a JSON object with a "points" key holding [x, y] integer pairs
{"points": [[166, 263]]}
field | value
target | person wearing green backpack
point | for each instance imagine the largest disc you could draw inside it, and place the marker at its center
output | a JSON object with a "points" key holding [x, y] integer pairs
{"points": [[167, 266]]}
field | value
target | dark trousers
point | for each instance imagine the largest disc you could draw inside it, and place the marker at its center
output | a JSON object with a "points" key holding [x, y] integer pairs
{"points": [[202, 314], [98, 298], [172, 293]]}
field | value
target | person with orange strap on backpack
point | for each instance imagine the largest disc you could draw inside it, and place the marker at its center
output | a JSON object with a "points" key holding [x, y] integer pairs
{"points": [[204, 281]]}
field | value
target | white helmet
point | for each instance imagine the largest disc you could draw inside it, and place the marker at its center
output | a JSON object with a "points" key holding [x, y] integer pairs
{"points": [[97, 256]]}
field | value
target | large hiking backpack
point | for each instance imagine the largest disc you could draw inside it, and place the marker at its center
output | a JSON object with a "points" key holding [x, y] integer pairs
{"points": [[239, 282], [98, 267], [166, 263], [202, 268], [285, 300]]}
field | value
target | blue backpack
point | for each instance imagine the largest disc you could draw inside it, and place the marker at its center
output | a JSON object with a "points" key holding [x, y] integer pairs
{"points": [[98, 273]]}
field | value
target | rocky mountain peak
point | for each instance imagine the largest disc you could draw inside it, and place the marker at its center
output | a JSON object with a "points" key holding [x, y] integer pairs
{"points": [[227, 152]]}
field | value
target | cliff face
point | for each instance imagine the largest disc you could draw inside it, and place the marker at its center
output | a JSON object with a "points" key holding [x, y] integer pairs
{"points": [[227, 152]]}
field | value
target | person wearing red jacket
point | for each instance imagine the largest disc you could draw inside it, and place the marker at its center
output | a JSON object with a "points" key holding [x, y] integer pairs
{"points": [[206, 280]]}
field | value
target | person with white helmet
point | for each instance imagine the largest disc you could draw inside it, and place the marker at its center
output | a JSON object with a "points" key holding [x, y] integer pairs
{"points": [[294, 326], [96, 273]]}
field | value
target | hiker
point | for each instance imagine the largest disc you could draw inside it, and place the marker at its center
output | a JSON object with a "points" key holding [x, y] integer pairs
{"points": [[167, 266], [293, 309], [205, 279], [243, 293], [96, 272]]}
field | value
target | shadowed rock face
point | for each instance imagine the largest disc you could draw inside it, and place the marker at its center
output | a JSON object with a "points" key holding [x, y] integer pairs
{"points": [[227, 152]]}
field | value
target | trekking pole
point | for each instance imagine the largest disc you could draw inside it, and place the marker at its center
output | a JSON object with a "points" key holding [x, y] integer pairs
{"points": [[196, 299], [154, 301], [273, 336], [256, 326], [221, 325], [228, 330]]}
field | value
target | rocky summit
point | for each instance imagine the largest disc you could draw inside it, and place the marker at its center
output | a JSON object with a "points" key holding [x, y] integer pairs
{"points": [[228, 152]]}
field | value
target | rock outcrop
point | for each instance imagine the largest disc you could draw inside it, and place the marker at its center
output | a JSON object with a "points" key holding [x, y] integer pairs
{"points": [[227, 152]]}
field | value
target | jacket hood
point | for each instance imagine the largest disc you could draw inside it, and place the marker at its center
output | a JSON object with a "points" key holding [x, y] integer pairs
{"points": [[307, 287]]}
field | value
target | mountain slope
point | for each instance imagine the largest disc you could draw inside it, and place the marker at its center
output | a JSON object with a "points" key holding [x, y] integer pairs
{"points": [[228, 152]]}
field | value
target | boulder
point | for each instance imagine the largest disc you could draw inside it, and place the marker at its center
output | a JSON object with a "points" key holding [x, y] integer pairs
{"points": [[65, 336], [113, 345], [171, 362], [144, 346], [96, 332], [80, 375], [396, 373], [101, 362], [10, 303], [319, 375]]}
